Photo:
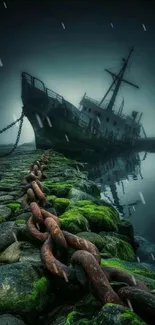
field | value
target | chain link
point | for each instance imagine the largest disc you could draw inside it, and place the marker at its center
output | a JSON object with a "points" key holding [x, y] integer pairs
{"points": [[21, 118]]}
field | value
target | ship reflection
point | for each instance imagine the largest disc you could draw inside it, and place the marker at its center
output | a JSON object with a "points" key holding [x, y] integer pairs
{"points": [[112, 175]]}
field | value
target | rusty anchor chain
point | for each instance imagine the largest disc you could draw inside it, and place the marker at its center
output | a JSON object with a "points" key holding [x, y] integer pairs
{"points": [[20, 119], [45, 228]]}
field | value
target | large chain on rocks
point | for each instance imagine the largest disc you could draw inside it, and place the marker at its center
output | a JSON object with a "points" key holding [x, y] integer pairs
{"points": [[45, 227]]}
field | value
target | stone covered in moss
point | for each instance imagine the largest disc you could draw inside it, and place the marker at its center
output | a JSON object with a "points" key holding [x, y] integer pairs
{"points": [[21, 289], [60, 204], [73, 221], [115, 234], [20, 221], [72, 317], [99, 217], [51, 198], [112, 314], [110, 245], [60, 189], [94, 238], [118, 248], [126, 229], [16, 208], [141, 271], [5, 213]]}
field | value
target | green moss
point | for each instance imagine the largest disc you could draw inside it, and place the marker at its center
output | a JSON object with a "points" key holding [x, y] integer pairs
{"points": [[71, 318], [51, 198], [84, 321], [61, 204], [14, 206], [26, 302], [76, 318], [20, 221], [99, 217], [60, 189], [9, 180], [115, 314], [60, 160], [94, 238], [130, 318], [38, 298], [40, 287], [73, 221], [118, 248], [139, 271]]}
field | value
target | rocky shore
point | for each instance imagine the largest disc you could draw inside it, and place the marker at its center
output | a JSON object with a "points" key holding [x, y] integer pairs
{"points": [[29, 294]]}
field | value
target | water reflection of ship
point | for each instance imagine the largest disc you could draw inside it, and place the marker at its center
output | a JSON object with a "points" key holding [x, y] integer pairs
{"points": [[113, 173]]}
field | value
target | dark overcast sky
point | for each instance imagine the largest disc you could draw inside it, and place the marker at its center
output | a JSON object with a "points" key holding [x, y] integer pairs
{"points": [[71, 61]]}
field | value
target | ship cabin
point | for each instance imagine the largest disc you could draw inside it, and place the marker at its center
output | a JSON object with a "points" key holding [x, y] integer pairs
{"points": [[102, 121]]}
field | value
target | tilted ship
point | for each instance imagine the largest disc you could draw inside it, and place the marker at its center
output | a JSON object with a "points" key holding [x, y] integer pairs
{"points": [[94, 126]]}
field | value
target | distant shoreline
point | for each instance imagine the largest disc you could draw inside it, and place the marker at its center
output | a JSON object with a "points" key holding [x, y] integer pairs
{"points": [[8, 147]]}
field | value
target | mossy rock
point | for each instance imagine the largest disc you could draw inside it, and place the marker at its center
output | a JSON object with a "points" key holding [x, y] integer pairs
{"points": [[21, 288], [118, 248], [94, 238], [112, 314], [99, 217], [73, 317], [20, 221], [73, 221], [51, 198], [8, 187], [126, 229], [10, 180], [89, 306], [141, 271], [115, 234], [60, 189], [5, 213], [14, 206], [60, 204]]}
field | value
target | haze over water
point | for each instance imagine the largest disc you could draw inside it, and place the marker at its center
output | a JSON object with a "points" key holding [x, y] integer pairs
{"points": [[128, 182]]}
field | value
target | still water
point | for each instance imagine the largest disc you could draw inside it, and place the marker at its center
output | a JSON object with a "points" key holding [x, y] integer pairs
{"points": [[129, 183]]}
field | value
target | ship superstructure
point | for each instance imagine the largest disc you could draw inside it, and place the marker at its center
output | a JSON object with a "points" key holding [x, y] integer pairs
{"points": [[103, 119], [95, 125]]}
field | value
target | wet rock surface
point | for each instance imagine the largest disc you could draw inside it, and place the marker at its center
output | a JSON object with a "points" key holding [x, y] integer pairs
{"points": [[29, 294], [10, 320]]}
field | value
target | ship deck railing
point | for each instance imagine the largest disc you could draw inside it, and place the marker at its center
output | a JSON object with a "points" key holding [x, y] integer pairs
{"points": [[37, 83]]}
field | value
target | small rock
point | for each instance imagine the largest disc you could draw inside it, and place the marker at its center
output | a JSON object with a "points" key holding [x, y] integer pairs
{"points": [[6, 198], [10, 320], [3, 193], [112, 314], [24, 216], [15, 193], [20, 251], [4, 213], [76, 195], [22, 288], [6, 234]]}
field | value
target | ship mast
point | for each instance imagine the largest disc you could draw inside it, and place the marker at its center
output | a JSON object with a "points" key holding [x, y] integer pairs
{"points": [[117, 80]]}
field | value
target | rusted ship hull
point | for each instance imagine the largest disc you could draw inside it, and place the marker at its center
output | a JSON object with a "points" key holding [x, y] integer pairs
{"points": [[56, 122]]}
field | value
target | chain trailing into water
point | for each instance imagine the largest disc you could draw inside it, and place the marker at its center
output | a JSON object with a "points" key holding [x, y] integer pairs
{"points": [[21, 118], [45, 228]]}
